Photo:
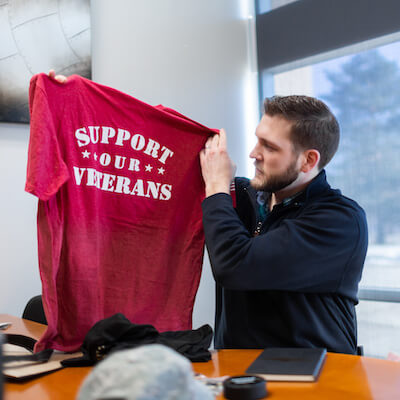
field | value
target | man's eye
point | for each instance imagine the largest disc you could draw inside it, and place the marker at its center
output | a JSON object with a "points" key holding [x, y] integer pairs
{"points": [[268, 147]]}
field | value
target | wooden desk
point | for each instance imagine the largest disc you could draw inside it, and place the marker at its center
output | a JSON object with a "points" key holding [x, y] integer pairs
{"points": [[342, 376]]}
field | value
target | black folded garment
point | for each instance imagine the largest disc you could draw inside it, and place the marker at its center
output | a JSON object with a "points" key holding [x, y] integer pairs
{"points": [[117, 332]]}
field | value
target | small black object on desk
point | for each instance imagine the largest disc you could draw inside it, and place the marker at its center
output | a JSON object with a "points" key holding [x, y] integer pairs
{"points": [[245, 387]]}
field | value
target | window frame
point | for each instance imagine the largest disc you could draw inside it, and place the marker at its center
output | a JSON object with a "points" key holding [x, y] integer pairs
{"points": [[346, 27]]}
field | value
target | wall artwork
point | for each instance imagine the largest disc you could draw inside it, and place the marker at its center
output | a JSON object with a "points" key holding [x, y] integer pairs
{"points": [[36, 36]]}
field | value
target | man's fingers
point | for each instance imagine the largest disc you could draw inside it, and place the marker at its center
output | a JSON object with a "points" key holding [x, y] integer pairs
{"points": [[222, 138], [215, 141], [203, 161], [208, 143], [60, 78]]}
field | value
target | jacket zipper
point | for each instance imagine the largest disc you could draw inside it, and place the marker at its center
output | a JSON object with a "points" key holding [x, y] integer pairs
{"points": [[258, 229], [259, 224]]}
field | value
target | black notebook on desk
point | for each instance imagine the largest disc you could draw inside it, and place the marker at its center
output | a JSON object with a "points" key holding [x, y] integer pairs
{"points": [[289, 364]]}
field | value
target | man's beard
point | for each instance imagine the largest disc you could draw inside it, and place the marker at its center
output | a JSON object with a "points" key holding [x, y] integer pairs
{"points": [[275, 183]]}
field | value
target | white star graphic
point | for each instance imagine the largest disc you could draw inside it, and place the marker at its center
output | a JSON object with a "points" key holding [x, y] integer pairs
{"points": [[95, 156], [161, 170], [148, 168], [85, 154]]}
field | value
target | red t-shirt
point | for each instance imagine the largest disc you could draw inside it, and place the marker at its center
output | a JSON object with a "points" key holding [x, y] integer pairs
{"points": [[119, 216]]}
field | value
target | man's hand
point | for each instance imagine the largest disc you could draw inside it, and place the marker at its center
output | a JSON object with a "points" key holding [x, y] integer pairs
{"points": [[216, 166], [58, 78]]}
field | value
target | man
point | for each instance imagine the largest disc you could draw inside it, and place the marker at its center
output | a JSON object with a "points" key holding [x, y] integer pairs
{"points": [[287, 261]]}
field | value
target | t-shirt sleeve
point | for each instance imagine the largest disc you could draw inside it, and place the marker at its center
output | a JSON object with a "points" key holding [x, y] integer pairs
{"points": [[46, 170]]}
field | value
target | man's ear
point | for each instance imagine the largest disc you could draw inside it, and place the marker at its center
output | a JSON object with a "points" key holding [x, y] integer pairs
{"points": [[310, 159]]}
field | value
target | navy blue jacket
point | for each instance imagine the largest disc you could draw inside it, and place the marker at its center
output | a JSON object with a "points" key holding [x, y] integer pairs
{"points": [[296, 283]]}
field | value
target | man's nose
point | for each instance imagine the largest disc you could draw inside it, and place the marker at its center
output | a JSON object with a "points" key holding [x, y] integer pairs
{"points": [[254, 153]]}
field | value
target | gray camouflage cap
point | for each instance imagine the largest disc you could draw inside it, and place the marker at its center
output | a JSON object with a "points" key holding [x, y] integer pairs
{"points": [[150, 372]]}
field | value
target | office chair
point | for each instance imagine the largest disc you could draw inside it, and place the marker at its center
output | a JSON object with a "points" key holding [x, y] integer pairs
{"points": [[34, 310]]}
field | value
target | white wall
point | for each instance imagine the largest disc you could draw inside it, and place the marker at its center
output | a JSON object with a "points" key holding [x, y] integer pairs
{"points": [[188, 55], [19, 274]]}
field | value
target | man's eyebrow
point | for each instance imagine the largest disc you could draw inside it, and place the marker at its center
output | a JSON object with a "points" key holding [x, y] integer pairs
{"points": [[268, 143]]}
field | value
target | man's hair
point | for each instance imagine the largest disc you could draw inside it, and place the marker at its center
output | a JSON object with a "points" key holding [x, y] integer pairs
{"points": [[313, 124]]}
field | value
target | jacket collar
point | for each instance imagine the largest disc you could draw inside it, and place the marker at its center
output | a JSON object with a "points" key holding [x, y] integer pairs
{"points": [[318, 185]]}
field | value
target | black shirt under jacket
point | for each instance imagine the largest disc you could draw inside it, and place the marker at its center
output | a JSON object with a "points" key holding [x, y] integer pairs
{"points": [[296, 283]]}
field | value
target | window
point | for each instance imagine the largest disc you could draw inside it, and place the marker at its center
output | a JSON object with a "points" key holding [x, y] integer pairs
{"points": [[360, 83], [268, 5], [363, 91]]}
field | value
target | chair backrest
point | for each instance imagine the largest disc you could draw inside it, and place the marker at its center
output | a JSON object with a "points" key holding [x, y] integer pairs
{"points": [[34, 310]]}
